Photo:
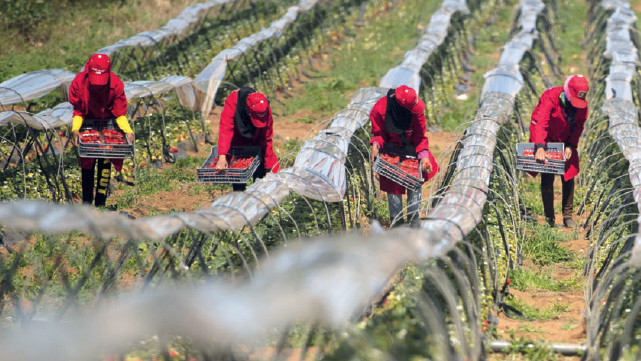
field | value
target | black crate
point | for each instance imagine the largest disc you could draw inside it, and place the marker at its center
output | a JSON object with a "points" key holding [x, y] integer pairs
{"points": [[525, 161], [102, 149], [396, 174], [211, 175]]}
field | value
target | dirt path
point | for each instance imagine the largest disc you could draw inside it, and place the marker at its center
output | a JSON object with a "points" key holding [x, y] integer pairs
{"points": [[565, 308]]}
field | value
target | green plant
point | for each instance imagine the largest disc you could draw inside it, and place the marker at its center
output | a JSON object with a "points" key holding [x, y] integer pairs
{"points": [[542, 246], [547, 313], [524, 279]]}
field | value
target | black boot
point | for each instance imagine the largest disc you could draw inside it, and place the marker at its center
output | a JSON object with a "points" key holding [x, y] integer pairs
{"points": [[87, 179], [547, 195], [104, 176]]}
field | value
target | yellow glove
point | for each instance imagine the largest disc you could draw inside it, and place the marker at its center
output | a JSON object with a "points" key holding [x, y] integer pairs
{"points": [[76, 123], [123, 124]]}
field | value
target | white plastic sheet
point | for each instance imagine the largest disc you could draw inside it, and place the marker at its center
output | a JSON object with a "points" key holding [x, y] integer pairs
{"points": [[619, 106], [34, 85]]}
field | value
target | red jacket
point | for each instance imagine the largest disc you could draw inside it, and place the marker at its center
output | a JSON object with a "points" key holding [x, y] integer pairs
{"points": [[229, 136], [549, 124], [111, 104], [415, 136]]}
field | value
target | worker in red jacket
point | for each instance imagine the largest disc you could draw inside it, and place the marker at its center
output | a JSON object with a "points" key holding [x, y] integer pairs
{"points": [[398, 120], [560, 117], [246, 120], [98, 94]]}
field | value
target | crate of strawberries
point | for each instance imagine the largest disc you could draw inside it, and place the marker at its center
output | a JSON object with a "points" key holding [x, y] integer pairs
{"points": [[100, 139], [402, 169], [554, 161], [242, 163]]}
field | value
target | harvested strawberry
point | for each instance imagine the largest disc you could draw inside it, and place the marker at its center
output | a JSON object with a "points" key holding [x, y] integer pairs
{"points": [[235, 163], [405, 166]]}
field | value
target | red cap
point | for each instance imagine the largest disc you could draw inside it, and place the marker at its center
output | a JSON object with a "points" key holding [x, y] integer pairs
{"points": [[99, 69], [576, 89], [406, 96], [258, 107]]}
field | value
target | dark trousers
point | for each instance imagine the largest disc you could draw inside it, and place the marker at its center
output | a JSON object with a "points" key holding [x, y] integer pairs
{"points": [[102, 183], [259, 173], [547, 194]]}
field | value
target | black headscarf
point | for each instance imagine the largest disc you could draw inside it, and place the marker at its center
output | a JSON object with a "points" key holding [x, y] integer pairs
{"points": [[570, 112], [397, 118], [241, 118]]}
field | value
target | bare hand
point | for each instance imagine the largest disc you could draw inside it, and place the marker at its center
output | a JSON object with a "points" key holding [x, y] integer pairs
{"points": [[75, 135], [130, 138], [222, 163], [568, 153], [426, 166], [374, 152], [540, 155]]}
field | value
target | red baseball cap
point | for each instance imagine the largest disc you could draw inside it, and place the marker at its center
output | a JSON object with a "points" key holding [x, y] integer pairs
{"points": [[576, 89], [406, 97], [99, 69], [258, 107]]}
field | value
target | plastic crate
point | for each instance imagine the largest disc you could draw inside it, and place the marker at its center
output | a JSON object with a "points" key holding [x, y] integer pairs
{"points": [[229, 175], [525, 158], [102, 149], [396, 174]]}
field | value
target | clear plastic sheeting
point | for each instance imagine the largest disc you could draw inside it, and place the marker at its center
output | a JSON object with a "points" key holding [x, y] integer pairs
{"points": [[323, 156], [183, 86], [506, 81], [210, 78], [34, 85], [507, 78], [461, 208], [408, 73], [175, 29], [59, 116], [618, 45], [229, 212], [529, 11], [622, 112], [325, 281]]}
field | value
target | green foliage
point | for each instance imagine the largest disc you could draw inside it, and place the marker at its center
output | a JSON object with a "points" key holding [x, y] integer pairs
{"points": [[487, 44], [525, 279], [24, 16], [542, 246], [534, 313], [572, 16]]}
